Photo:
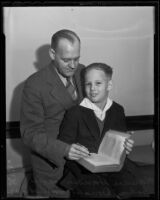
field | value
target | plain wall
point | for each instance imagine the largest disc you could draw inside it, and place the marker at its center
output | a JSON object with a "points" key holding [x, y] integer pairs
{"points": [[120, 36]]}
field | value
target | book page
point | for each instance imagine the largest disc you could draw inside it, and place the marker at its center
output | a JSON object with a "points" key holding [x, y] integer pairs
{"points": [[110, 150], [112, 144], [99, 159]]}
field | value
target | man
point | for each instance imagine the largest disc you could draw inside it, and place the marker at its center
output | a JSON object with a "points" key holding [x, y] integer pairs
{"points": [[46, 97]]}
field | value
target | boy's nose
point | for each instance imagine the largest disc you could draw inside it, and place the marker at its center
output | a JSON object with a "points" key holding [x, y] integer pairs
{"points": [[92, 87]]}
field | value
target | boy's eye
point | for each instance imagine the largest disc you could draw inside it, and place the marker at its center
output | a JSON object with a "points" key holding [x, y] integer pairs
{"points": [[98, 83]]}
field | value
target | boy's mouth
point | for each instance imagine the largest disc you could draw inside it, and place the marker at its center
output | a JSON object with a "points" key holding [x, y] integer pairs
{"points": [[93, 94]]}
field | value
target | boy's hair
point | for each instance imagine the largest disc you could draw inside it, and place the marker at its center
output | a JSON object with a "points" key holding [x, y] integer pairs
{"points": [[63, 34], [100, 66]]}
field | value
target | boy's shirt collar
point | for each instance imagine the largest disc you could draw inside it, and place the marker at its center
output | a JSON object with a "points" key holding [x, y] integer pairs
{"points": [[98, 112]]}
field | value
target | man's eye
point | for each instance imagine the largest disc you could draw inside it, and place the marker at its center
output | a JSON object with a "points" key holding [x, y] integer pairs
{"points": [[65, 60], [68, 60]]}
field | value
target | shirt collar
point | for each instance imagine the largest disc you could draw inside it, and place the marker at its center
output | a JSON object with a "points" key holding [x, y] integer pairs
{"points": [[63, 79], [98, 112]]}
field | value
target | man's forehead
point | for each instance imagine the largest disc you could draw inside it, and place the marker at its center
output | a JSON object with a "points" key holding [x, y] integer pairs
{"points": [[65, 46], [64, 42]]}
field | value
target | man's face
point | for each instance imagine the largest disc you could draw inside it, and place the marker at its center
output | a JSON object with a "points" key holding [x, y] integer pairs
{"points": [[67, 56]]}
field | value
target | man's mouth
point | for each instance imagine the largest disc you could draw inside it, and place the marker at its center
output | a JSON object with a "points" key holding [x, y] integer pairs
{"points": [[71, 70]]}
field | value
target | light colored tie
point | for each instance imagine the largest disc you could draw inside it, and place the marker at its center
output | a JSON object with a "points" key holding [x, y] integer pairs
{"points": [[71, 89]]}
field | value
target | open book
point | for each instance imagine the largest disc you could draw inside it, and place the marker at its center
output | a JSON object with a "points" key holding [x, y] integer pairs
{"points": [[110, 156]]}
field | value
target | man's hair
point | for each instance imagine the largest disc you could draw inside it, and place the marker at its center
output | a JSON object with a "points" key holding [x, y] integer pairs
{"points": [[100, 66], [63, 34]]}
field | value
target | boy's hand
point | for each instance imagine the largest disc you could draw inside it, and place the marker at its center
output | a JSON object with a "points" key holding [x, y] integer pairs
{"points": [[128, 145], [77, 151]]}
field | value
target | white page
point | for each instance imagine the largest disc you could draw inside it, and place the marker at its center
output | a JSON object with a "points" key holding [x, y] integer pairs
{"points": [[98, 159], [113, 144], [110, 150]]}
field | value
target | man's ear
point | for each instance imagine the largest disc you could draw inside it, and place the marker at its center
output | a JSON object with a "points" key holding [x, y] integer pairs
{"points": [[109, 85], [51, 53]]}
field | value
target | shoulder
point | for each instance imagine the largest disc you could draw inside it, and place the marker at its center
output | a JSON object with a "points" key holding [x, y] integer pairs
{"points": [[72, 114], [74, 110], [116, 106], [78, 111], [37, 75], [38, 78]]}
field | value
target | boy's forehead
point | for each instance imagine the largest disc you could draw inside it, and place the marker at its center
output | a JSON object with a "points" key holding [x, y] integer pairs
{"points": [[95, 73]]}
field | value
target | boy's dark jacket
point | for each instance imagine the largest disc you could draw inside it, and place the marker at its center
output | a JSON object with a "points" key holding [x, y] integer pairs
{"points": [[80, 126]]}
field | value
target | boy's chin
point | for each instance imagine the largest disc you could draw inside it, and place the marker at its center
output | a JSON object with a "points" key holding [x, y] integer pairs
{"points": [[93, 100]]}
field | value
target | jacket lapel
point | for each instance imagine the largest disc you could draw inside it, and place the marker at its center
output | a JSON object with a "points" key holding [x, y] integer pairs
{"points": [[91, 122], [58, 90], [77, 78]]}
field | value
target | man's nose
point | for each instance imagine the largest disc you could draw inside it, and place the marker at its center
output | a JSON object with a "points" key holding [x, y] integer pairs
{"points": [[72, 64]]}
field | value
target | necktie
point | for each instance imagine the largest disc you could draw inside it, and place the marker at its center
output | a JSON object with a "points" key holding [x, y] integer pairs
{"points": [[71, 89]]}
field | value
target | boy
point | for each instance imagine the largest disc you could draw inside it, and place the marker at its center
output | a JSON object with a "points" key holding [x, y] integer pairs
{"points": [[86, 124]]}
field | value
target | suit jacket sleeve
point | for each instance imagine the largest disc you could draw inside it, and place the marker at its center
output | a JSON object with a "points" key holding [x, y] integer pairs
{"points": [[69, 126], [33, 130]]}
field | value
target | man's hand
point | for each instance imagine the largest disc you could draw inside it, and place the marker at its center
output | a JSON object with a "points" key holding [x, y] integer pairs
{"points": [[76, 151], [128, 145]]}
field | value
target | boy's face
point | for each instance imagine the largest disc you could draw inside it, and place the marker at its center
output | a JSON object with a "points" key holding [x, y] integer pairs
{"points": [[97, 86]]}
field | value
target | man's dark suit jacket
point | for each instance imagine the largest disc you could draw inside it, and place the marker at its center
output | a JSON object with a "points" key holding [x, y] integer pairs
{"points": [[44, 102], [80, 126]]}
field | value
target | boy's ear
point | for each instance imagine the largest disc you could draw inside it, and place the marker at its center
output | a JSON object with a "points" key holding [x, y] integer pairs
{"points": [[109, 85], [51, 53]]}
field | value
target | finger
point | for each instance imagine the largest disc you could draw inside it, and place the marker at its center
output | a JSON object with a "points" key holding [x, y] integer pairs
{"points": [[81, 149], [73, 158], [127, 152], [129, 140], [128, 145], [78, 152], [131, 132], [128, 149], [73, 155], [81, 146]]}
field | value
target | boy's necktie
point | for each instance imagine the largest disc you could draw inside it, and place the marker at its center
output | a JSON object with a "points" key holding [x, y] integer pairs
{"points": [[71, 89]]}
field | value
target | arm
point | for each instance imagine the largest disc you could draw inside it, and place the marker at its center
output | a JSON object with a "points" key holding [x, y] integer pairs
{"points": [[68, 127], [32, 126], [121, 123], [68, 133]]}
